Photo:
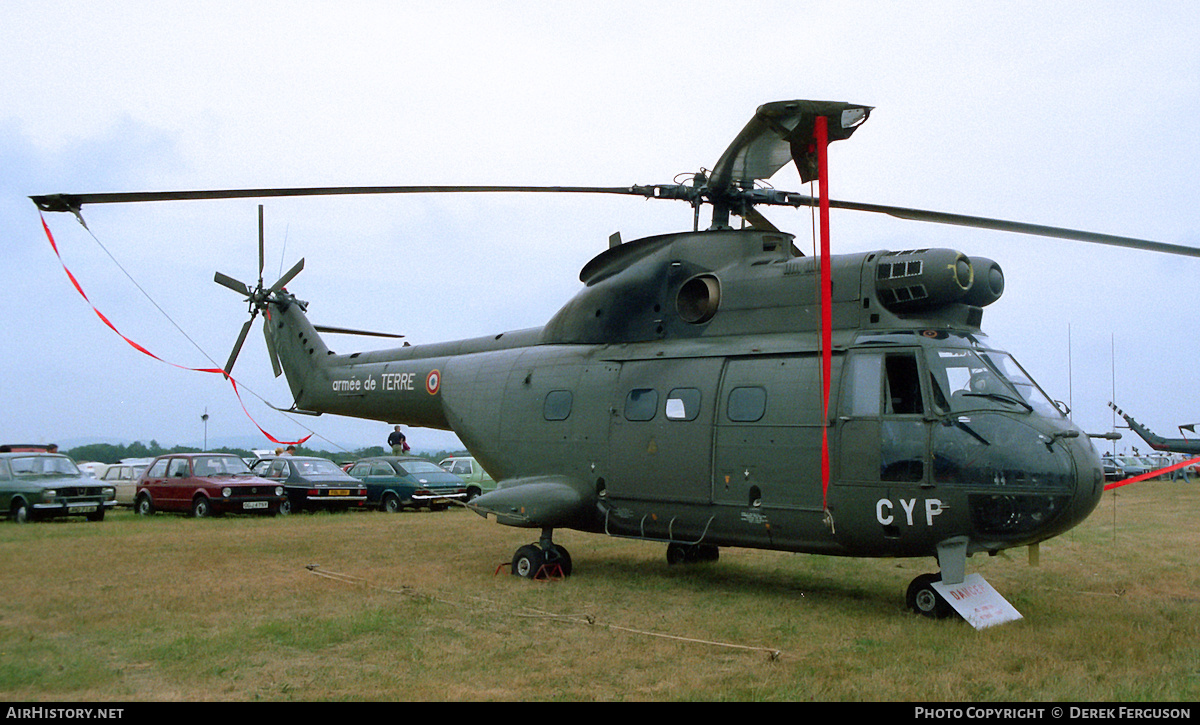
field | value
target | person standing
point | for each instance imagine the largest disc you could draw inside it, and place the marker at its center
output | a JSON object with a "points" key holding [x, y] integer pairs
{"points": [[398, 442]]}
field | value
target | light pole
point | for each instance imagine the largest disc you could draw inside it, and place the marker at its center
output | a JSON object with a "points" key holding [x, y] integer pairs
{"points": [[205, 419]]}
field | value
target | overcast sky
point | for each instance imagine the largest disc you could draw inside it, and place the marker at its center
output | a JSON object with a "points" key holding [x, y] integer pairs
{"points": [[1076, 114]]}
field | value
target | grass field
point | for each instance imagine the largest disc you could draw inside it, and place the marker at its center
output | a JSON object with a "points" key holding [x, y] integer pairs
{"points": [[371, 606]]}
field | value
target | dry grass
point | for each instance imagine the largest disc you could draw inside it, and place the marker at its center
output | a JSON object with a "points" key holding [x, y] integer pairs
{"points": [[409, 607]]}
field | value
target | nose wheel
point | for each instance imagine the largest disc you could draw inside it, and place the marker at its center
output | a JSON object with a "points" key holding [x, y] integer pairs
{"points": [[542, 560], [923, 599]]}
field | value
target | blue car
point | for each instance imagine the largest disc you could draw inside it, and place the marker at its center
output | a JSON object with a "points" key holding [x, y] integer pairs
{"points": [[396, 482]]}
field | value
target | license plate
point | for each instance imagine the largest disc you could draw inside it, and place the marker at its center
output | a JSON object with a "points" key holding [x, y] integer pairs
{"points": [[83, 509], [254, 505], [339, 492]]}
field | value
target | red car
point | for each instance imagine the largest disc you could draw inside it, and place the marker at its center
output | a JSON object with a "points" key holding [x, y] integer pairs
{"points": [[205, 484]]}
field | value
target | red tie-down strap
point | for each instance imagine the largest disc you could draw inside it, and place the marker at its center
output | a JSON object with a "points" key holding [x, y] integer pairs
{"points": [[1150, 474], [144, 351]]}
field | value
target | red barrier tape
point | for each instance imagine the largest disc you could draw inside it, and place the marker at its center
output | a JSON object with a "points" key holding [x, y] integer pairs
{"points": [[139, 348], [1151, 474]]}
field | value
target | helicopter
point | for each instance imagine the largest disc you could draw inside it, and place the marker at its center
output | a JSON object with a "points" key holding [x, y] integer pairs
{"points": [[717, 388], [1157, 442]]}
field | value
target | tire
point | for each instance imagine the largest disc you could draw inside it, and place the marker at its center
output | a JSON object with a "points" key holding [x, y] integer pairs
{"points": [[558, 555], [21, 513], [527, 562], [201, 508], [677, 554], [97, 515], [142, 506], [391, 503], [923, 599], [691, 553], [285, 507]]}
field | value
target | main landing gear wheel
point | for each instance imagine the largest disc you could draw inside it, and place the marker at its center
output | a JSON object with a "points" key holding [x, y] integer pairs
{"points": [[923, 599], [691, 553], [542, 560]]}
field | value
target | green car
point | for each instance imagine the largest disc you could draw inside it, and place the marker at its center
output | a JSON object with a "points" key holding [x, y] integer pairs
{"points": [[468, 469], [44, 485], [396, 482]]}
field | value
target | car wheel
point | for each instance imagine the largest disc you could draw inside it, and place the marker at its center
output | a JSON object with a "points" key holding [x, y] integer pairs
{"points": [[285, 507], [143, 507], [21, 513], [472, 494], [391, 503], [527, 562], [97, 515], [923, 599], [201, 508]]}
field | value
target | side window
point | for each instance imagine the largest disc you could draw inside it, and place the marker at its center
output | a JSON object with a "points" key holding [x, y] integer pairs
{"points": [[747, 404], [4, 472], [641, 404], [178, 468], [360, 469], [382, 469], [683, 404], [557, 405], [158, 470], [279, 469], [903, 386], [862, 391]]}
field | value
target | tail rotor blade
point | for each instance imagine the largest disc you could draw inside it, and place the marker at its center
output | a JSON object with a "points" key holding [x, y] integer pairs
{"points": [[237, 348], [288, 276], [233, 284]]}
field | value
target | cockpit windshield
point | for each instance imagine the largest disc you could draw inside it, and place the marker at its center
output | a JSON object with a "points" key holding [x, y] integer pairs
{"points": [[964, 379]]}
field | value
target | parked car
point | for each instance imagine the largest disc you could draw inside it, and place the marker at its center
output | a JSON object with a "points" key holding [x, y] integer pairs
{"points": [[468, 469], [312, 483], [124, 478], [394, 482], [44, 485], [205, 484]]}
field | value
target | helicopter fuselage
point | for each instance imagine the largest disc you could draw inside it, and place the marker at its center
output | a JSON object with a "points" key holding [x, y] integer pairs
{"points": [[679, 397]]}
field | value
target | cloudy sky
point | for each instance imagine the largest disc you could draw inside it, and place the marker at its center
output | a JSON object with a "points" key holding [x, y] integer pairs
{"points": [[1076, 114]]}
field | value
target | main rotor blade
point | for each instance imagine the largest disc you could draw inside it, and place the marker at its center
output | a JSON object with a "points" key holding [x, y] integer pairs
{"points": [[73, 202], [1002, 225], [260, 244], [233, 284], [774, 135], [288, 276]]}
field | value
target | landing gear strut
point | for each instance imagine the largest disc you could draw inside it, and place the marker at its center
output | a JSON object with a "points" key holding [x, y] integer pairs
{"points": [[541, 560]]}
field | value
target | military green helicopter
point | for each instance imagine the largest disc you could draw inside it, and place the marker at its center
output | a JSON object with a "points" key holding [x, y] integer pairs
{"points": [[717, 388]]}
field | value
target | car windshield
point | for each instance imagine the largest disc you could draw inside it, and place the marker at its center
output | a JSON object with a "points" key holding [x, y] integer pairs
{"points": [[965, 379], [44, 466], [219, 466], [415, 467], [316, 468]]}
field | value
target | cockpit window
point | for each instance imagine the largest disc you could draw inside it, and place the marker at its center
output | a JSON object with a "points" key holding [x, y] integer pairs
{"points": [[963, 380]]}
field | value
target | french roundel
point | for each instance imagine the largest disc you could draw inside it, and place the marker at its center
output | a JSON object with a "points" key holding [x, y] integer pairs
{"points": [[433, 381]]}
